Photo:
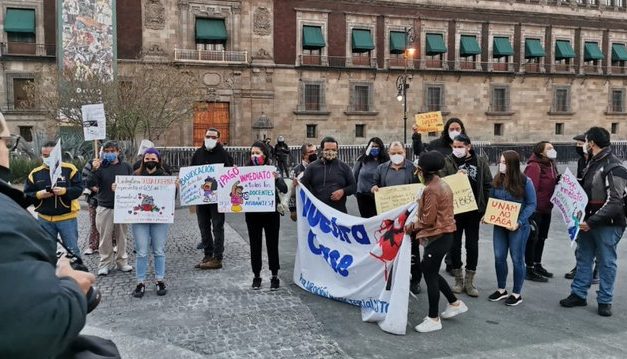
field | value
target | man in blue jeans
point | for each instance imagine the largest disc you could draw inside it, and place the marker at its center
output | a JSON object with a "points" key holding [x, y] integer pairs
{"points": [[604, 181], [56, 204]]}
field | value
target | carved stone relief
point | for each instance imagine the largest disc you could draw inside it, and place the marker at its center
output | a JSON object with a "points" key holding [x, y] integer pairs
{"points": [[211, 79], [262, 54], [262, 22], [154, 15]]}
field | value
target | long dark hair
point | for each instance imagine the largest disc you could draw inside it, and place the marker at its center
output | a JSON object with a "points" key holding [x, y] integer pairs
{"points": [[383, 153], [264, 149], [142, 167], [444, 137], [539, 148], [513, 180]]}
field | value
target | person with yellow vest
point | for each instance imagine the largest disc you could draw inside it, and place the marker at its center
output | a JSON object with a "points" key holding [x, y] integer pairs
{"points": [[57, 206]]}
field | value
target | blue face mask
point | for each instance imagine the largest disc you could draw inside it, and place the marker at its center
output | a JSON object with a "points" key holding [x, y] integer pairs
{"points": [[109, 156], [374, 152]]}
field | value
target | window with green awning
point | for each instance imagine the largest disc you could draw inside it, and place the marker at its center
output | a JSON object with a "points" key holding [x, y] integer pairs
{"points": [[563, 50], [19, 20], [592, 51], [362, 40], [435, 44], [468, 46], [533, 48], [312, 38], [211, 30], [619, 52], [501, 47], [398, 42]]}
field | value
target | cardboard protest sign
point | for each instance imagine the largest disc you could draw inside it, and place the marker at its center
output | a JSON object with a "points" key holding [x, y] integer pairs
{"points": [[94, 122], [388, 198], [429, 122], [199, 184], [463, 197], [571, 201], [55, 158], [246, 189], [144, 199], [502, 213], [144, 145]]}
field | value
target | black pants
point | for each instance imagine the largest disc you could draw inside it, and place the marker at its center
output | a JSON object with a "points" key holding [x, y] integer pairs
{"points": [[416, 273], [467, 223], [431, 261], [270, 224], [207, 215], [365, 202], [535, 248], [282, 167]]}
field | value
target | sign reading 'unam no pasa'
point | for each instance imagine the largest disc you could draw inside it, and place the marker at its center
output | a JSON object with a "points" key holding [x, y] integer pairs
{"points": [[502, 213], [430, 122]]}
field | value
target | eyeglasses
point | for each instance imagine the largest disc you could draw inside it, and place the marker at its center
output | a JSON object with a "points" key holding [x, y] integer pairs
{"points": [[11, 141]]}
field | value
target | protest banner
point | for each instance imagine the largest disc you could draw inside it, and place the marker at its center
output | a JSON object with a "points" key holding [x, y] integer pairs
{"points": [[94, 122], [246, 189], [55, 159], [144, 199], [429, 122], [144, 145], [502, 213], [571, 201], [199, 184], [360, 261], [387, 198], [463, 197]]}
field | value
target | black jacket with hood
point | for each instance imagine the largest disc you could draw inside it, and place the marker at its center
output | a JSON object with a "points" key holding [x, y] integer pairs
{"points": [[323, 177]]}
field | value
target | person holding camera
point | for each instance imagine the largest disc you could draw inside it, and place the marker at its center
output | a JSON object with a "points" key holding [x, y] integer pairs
{"points": [[56, 204]]}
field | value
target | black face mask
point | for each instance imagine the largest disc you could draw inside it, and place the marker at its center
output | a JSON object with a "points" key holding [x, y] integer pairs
{"points": [[312, 157], [5, 174], [579, 151], [151, 165]]}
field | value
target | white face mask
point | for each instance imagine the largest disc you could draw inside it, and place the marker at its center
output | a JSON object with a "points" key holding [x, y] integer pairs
{"points": [[210, 143], [459, 152], [397, 159], [502, 168], [453, 134], [552, 154]]}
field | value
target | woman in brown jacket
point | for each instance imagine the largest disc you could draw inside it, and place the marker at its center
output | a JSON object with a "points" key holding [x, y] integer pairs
{"points": [[434, 227]]}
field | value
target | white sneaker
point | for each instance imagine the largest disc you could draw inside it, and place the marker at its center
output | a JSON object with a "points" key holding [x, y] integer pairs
{"points": [[429, 325], [89, 251], [125, 268], [452, 310], [103, 271]]}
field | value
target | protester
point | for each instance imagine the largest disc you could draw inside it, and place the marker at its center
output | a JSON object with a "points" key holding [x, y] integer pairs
{"points": [[265, 222], [103, 178], [211, 152], [511, 185], [395, 172], [465, 160], [453, 127], [282, 155], [308, 155], [329, 179], [416, 141], [364, 170], [542, 171], [56, 204], [149, 235], [604, 181]]}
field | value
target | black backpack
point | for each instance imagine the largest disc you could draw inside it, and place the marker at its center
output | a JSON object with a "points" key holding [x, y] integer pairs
{"points": [[607, 169]]}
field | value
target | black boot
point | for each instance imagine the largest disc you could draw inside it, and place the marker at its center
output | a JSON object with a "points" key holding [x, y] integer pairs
{"points": [[571, 274], [534, 276], [541, 271]]}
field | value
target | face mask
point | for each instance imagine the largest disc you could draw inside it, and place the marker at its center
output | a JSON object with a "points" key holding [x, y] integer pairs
{"points": [[151, 165], [48, 162], [552, 154], [210, 143], [459, 152], [257, 160], [453, 134], [109, 156], [397, 159], [502, 168], [579, 150], [312, 157], [329, 155], [374, 152]]}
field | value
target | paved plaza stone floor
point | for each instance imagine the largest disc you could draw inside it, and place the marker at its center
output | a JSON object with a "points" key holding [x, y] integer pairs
{"points": [[215, 314]]}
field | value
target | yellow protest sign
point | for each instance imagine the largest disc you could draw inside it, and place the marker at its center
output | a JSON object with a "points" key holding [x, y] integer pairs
{"points": [[430, 122], [502, 213], [463, 197], [388, 198]]}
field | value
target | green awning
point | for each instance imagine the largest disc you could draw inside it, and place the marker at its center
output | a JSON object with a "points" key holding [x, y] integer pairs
{"points": [[468, 46], [533, 48], [619, 53], [362, 40], [211, 30], [312, 38], [398, 42], [20, 20], [592, 52], [501, 47], [435, 44], [563, 50]]}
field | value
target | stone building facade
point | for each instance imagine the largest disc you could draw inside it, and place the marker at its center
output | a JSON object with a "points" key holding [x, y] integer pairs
{"points": [[513, 70]]}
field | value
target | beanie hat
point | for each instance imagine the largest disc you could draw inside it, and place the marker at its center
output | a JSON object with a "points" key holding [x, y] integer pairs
{"points": [[431, 161], [153, 151]]}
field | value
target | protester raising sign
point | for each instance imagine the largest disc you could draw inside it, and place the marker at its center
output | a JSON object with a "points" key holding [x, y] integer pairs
{"points": [[571, 200], [199, 184], [463, 197], [388, 198], [502, 213], [246, 189], [94, 122], [429, 122], [144, 199], [360, 261]]}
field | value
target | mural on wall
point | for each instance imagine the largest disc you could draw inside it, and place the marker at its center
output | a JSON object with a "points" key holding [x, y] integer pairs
{"points": [[88, 38]]}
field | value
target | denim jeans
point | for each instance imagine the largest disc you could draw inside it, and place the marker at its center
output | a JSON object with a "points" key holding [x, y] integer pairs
{"points": [[146, 235], [67, 229], [602, 242], [505, 241]]}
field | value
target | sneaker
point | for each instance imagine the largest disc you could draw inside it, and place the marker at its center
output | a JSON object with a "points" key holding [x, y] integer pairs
{"points": [[414, 288], [496, 296], [429, 325], [513, 301], [573, 300], [257, 283], [542, 271], [454, 310], [274, 283], [534, 276], [213, 263], [139, 290], [605, 310], [125, 268], [161, 288], [103, 271], [115, 249], [90, 251], [206, 258], [571, 274]]}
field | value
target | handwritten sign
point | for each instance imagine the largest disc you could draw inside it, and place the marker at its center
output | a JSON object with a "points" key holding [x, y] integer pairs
{"points": [[199, 184], [94, 122], [55, 159], [571, 200], [429, 122], [144, 199], [502, 213], [388, 198], [463, 197], [246, 189]]}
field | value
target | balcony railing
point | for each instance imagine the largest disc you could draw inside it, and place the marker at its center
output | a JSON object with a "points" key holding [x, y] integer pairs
{"points": [[363, 61], [620, 70], [27, 49], [563, 67], [532, 67], [591, 69], [210, 56], [21, 106]]}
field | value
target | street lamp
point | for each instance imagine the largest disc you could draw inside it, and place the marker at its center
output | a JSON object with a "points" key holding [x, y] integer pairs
{"points": [[401, 80]]}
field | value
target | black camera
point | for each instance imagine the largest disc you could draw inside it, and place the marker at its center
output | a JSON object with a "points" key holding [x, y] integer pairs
{"points": [[93, 295]]}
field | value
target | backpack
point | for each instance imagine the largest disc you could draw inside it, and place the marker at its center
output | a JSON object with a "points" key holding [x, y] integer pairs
{"points": [[607, 169]]}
